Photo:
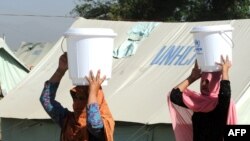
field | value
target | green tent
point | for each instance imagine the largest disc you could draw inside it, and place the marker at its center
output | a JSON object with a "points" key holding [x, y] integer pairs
{"points": [[12, 71]]}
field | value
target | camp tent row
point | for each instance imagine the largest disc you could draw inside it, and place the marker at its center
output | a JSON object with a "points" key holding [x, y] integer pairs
{"points": [[32, 53], [138, 89], [12, 70]]}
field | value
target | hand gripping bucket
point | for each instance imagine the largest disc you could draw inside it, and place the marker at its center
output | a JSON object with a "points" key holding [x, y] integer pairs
{"points": [[89, 49], [210, 43]]}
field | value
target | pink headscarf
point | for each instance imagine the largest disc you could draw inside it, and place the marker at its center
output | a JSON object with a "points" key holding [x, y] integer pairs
{"points": [[197, 102]]}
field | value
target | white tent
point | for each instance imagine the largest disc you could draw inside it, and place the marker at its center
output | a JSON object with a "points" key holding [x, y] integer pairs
{"points": [[32, 53], [137, 91]]}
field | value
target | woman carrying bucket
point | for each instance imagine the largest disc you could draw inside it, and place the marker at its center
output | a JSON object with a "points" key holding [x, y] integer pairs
{"points": [[203, 117], [91, 119]]}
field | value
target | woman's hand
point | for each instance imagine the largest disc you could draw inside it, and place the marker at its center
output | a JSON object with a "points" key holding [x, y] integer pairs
{"points": [[62, 68], [63, 63], [195, 74], [225, 65], [95, 82]]}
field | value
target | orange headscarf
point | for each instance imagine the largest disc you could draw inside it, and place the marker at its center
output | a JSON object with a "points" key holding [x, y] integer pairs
{"points": [[75, 123]]}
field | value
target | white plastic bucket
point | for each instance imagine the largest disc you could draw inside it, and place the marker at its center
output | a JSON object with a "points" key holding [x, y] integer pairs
{"points": [[210, 43], [89, 49]]}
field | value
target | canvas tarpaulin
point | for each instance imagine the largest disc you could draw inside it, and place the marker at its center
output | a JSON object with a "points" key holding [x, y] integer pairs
{"points": [[32, 53], [139, 84], [12, 71]]}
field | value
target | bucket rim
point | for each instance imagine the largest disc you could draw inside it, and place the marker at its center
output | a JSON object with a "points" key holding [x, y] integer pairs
{"points": [[212, 28], [105, 32]]}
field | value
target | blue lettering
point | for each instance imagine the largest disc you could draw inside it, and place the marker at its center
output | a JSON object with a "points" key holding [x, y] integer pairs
{"points": [[183, 56], [169, 53], [158, 56], [191, 61], [176, 55]]}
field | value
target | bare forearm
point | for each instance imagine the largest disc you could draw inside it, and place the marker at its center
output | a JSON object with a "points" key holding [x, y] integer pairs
{"points": [[92, 97], [57, 76], [225, 75], [225, 64], [195, 75], [184, 84]]}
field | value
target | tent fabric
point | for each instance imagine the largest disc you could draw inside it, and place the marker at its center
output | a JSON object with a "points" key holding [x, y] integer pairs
{"points": [[135, 35], [140, 83], [32, 53], [12, 71], [47, 130], [243, 107]]}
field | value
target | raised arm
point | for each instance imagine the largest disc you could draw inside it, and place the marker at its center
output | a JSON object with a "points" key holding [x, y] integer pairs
{"points": [[195, 75], [47, 98], [94, 118], [225, 65], [176, 93], [225, 88], [60, 71]]}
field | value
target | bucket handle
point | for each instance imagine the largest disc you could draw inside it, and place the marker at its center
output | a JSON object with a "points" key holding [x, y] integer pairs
{"points": [[62, 45], [228, 38]]}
